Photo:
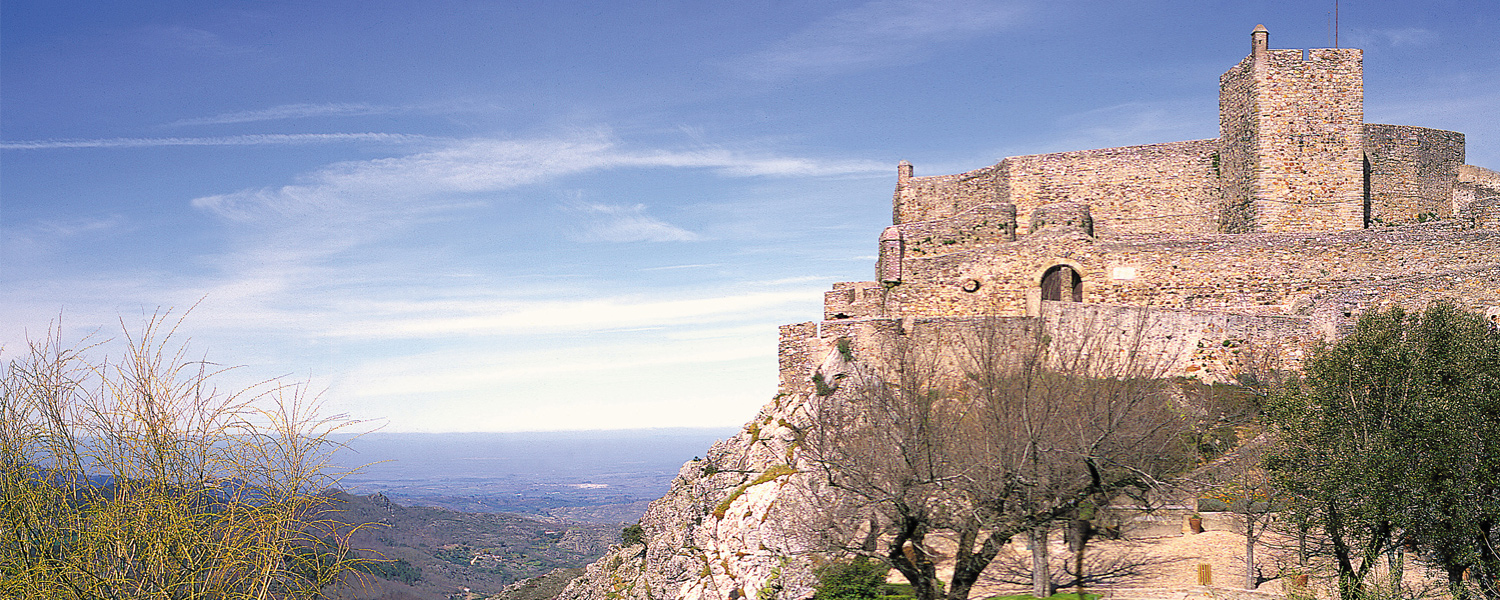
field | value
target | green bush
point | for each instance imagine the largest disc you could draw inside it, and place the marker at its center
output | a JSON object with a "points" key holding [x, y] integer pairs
{"points": [[859, 579], [820, 385], [632, 535]]}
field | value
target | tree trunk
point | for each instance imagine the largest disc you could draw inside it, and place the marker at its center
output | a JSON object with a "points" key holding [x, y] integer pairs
{"points": [[1041, 572], [1079, 538], [1250, 579], [1396, 564]]}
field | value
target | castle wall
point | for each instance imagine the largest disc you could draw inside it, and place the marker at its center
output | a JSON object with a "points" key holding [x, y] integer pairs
{"points": [[1264, 274], [927, 198], [1091, 339], [1239, 139], [980, 225], [1411, 172], [1476, 196], [1150, 189]]}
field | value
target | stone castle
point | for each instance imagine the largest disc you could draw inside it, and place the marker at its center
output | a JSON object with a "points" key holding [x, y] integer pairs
{"points": [[1279, 233], [1298, 217]]}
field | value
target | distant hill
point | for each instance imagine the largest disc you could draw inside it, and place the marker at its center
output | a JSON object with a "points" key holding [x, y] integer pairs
{"points": [[437, 553], [577, 476]]}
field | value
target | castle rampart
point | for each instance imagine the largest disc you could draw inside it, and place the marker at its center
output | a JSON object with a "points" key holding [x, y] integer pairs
{"points": [[1476, 196], [1299, 217], [1410, 173], [1255, 274]]}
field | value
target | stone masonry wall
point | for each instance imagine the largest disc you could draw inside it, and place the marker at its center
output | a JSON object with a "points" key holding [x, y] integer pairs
{"points": [[1476, 196], [1262, 274], [1239, 138], [1151, 189], [981, 225], [928, 198], [1411, 172], [1309, 170]]}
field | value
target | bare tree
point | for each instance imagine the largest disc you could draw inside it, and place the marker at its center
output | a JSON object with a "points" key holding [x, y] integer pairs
{"points": [[973, 431], [1112, 566]]}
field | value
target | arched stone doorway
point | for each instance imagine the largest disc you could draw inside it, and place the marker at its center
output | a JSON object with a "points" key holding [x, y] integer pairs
{"points": [[1062, 283]]}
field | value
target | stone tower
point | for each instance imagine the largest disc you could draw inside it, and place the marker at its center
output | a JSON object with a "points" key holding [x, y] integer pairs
{"points": [[1291, 135]]}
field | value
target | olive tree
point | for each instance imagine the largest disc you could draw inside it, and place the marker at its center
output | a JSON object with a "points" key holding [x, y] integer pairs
{"points": [[1392, 437]]}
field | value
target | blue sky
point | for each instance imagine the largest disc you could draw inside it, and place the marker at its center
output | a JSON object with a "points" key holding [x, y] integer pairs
{"points": [[502, 216]]}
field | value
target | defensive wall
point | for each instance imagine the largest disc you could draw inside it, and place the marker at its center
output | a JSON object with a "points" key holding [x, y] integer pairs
{"points": [[1293, 155], [1276, 234], [1091, 337]]}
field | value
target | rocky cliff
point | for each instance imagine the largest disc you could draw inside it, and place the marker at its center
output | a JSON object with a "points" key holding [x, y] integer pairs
{"points": [[735, 523]]}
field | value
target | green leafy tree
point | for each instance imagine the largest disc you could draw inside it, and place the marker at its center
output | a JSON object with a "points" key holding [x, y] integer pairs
{"points": [[1392, 437], [632, 535]]}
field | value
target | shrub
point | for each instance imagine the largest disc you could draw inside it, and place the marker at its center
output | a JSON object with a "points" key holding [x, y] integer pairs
{"points": [[395, 570], [858, 579], [138, 478], [820, 385], [846, 349], [632, 535]]}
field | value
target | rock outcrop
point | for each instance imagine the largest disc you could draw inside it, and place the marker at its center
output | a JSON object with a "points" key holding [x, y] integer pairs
{"points": [[731, 526]]}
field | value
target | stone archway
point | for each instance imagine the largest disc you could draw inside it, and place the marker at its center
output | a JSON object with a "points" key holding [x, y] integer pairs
{"points": [[1063, 283]]}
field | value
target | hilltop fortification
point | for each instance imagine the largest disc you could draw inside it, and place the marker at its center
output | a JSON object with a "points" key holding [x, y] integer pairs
{"points": [[1278, 233], [1297, 218]]}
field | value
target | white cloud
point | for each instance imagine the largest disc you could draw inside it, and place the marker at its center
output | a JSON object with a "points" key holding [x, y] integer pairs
{"points": [[882, 32], [1134, 123], [291, 111], [612, 223], [1128, 124], [418, 182], [178, 38], [36, 238], [1396, 37], [480, 317], [265, 139]]}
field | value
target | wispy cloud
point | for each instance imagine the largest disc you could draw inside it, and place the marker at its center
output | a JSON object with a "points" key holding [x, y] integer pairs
{"points": [[425, 180], [1398, 37], [676, 267], [882, 32], [614, 223], [1134, 123], [178, 38], [489, 317], [267, 139], [38, 237], [291, 111], [1128, 124]]}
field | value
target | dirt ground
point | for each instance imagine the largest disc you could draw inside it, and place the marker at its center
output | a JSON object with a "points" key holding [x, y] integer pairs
{"points": [[1172, 563]]}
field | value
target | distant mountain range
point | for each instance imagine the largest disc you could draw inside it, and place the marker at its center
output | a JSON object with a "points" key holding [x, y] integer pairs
{"points": [[576, 476]]}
